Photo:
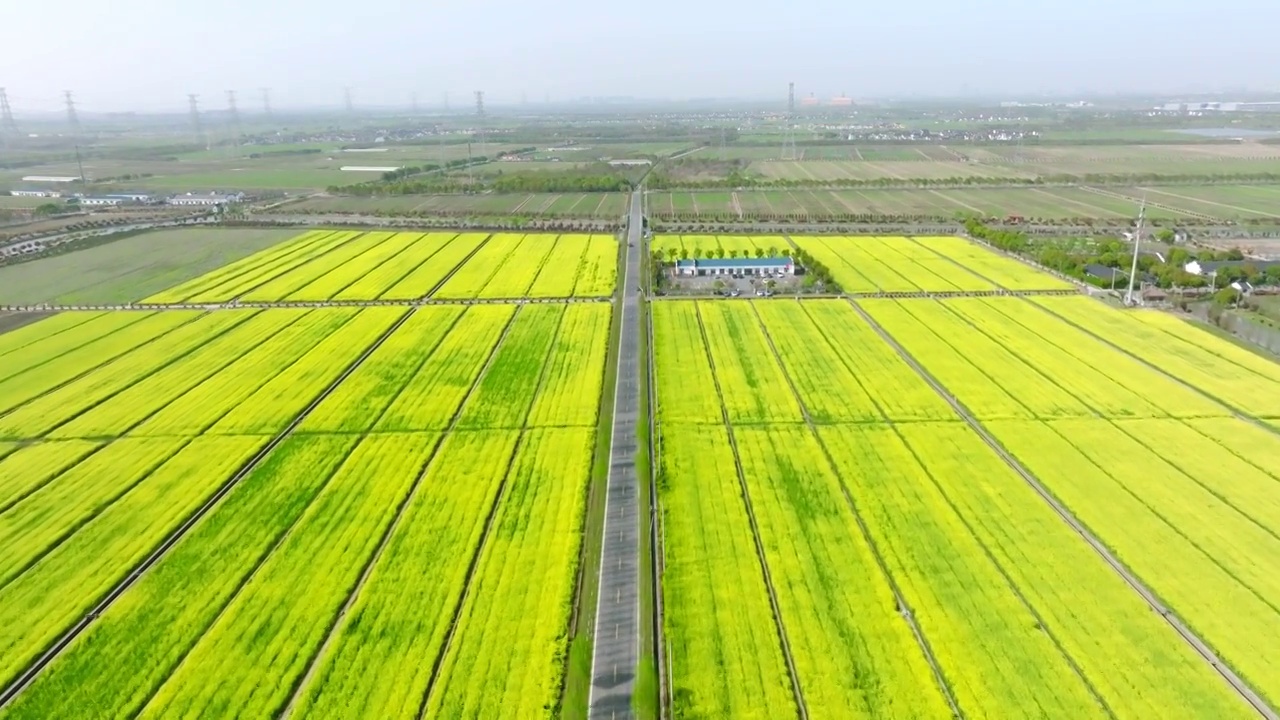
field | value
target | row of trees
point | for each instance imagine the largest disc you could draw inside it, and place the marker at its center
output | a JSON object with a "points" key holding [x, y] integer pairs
{"points": [[682, 253], [737, 179], [1071, 256]]}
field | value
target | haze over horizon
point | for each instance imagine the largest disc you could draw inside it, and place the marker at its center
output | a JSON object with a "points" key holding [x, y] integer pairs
{"points": [[140, 56]]}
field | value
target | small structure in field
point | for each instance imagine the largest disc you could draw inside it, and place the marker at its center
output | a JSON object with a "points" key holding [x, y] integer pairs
{"points": [[206, 199], [736, 266]]}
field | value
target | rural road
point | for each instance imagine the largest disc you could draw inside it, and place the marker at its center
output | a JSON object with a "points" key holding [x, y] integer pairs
{"points": [[617, 632]]}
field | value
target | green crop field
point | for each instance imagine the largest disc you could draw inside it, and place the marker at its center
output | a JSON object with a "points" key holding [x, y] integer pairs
{"points": [[1174, 203], [359, 474], [131, 268], [596, 206], [410, 487], [837, 536], [325, 265]]}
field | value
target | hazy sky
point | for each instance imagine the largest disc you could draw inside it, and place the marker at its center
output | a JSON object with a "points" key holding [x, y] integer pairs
{"points": [[130, 54]]}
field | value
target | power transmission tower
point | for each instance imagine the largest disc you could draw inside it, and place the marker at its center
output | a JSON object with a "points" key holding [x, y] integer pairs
{"points": [[233, 116], [193, 101], [7, 125], [445, 99], [266, 101], [413, 103], [72, 119], [789, 134], [1137, 242], [480, 117], [346, 96]]}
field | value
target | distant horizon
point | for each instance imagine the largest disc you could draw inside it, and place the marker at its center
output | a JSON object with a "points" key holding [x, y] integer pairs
{"points": [[459, 109]]}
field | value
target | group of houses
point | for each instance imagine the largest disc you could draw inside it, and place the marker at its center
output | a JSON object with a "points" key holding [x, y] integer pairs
{"points": [[212, 199]]}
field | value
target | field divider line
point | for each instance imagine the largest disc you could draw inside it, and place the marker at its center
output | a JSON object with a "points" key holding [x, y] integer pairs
{"points": [[546, 260], [1096, 416], [392, 258], [908, 616], [95, 368], [409, 271], [64, 353], [313, 663], [461, 264], [172, 361], [1112, 421], [177, 534], [78, 325], [1247, 693], [1235, 411], [262, 559], [339, 623], [309, 258], [91, 515], [276, 267], [1004, 290], [802, 710], [205, 283], [657, 531], [469, 578]]}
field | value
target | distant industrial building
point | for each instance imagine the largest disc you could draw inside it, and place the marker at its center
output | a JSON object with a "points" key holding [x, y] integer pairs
{"points": [[102, 201], [49, 178], [206, 199], [736, 266], [36, 193]]}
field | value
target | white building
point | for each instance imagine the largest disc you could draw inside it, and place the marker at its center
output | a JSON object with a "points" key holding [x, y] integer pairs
{"points": [[102, 201], [36, 193], [206, 199], [736, 266]]}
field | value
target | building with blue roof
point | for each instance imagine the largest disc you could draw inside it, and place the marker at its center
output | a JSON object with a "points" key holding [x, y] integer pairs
{"points": [[736, 266]]}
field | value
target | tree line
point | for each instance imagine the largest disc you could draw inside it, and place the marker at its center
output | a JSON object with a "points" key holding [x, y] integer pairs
{"points": [[1071, 256], [736, 179]]}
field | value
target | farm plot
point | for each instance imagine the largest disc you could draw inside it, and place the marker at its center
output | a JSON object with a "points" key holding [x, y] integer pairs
{"points": [[1005, 272], [512, 266], [1214, 366], [221, 287], [875, 496], [495, 492], [295, 248], [899, 264]]}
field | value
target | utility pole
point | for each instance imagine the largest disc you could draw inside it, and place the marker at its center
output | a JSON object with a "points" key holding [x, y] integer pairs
{"points": [[1137, 242], [193, 101], [72, 119], [266, 101]]}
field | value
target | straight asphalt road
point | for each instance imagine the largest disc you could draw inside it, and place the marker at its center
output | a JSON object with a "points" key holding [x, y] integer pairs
{"points": [[617, 632]]}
